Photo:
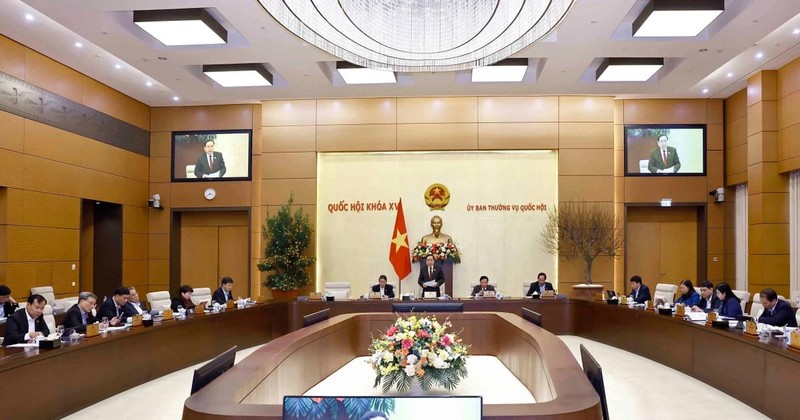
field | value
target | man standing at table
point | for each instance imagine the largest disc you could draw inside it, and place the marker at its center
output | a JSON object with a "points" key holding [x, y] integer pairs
{"points": [[223, 294], [540, 286], [483, 286], [777, 312], [80, 314], [385, 289], [114, 308], [430, 277], [28, 323], [640, 292], [7, 304]]}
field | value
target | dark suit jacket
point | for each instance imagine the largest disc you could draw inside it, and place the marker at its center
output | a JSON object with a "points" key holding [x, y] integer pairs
{"points": [[657, 161], [109, 310], [219, 297], [438, 276], [477, 289], [783, 315], [201, 165], [535, 288], [17, 327], [9, 308], [703, 302], [176, 301], [388, 290], [73, 319], [731, 308], [130, 308], [643, 296]]}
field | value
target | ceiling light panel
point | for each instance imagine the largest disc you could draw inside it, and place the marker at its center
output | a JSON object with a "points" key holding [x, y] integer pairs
{"points": [[628, 69], [676, 18], [176, 27], [239, 75], [509, 70], [357, 75]]}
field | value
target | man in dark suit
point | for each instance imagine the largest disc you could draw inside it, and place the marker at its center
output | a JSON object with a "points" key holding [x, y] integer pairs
{"points": [[664, 159], [640, 292], [385, 289], [777, 312], [708, 299], [28, 323], [540, 285], [7, 304], [223, 294], [483, 286], [430, 274], [209, 162], [80, 314], [135, 306], [114, 308]]}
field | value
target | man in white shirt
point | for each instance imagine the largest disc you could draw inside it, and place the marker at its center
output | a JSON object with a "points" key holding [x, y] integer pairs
{"points": [[135, 305], [26, 325]]}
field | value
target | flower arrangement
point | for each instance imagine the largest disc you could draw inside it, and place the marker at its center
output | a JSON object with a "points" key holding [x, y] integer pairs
{"points": [[447, 252], [418, 349]]}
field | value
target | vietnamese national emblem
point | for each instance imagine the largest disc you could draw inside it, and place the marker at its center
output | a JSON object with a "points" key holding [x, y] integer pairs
{"points": [[437, 197]]}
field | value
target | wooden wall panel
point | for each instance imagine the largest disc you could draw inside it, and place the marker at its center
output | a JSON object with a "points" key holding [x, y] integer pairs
{"points": [[586, 136], [517, 136], [661, 111], [586, 162], [277, 191], [13, 132], [48, 74], [351, 138], [12, 58], [288, 139], [586, 188], [437, 136], [762, 116], [288, 165], [356, 111], [437, 110], [109, 101], [279, 113], [518, 109], [223, 117], [51, 143], [160, 169], [214, 218], [229, 194], [585, 109], [160, 144], [134, 246], [134, 273], [42, 244]]}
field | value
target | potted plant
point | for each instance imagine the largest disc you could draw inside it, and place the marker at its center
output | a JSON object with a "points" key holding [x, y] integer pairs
{"points": [[286, 236], [580, 231]]}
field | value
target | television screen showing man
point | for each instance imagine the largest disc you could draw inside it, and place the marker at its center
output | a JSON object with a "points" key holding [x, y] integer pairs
{"points": [[209, 164], [664, 158]]}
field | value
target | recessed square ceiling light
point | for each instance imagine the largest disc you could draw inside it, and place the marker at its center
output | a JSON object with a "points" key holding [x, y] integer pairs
{"points": [[508, 70], [181, 26], [239, 75], [628, 69], [357, 75], [678, 18]]}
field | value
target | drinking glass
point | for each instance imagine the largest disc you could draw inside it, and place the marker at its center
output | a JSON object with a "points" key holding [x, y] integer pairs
{"points": [[60, 331], [103, 324]]}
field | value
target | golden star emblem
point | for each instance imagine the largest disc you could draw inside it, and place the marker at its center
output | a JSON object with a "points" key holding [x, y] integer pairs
{"points": [[399, 240]]}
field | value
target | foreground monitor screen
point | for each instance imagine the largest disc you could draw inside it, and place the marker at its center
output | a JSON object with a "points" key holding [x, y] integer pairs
{"points": [[661, 150], [383, 408], [211, 155]]}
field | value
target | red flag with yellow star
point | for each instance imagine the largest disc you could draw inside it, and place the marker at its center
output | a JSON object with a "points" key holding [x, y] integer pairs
{"points": [[399, 252]]}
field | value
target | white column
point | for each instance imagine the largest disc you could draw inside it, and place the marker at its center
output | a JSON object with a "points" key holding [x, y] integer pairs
{"points": [[741, 237], [794, 234]]}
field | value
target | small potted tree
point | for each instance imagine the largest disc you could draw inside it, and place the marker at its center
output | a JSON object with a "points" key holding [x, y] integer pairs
{"points": [[576, 230], [286, 236]]}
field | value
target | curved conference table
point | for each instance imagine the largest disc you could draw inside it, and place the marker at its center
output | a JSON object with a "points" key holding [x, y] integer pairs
{"points": [[762, 373]]}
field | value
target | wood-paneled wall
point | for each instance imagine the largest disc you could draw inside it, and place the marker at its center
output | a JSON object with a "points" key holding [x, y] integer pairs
{"points": [[788, 119], [642, 190], [179, 196], [47, 171], [581, 128]]}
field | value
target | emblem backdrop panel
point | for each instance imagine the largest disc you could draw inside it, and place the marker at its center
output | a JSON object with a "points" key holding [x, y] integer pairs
{"points": [[494, 215]]}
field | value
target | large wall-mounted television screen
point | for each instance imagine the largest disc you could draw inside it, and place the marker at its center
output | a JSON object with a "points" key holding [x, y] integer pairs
{"points": [[211, 155], [665, 150]]}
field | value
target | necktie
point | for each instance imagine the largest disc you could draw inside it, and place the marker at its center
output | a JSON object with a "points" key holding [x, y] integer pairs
{"points": [[430, 273], [665, 157], [211, 163]]}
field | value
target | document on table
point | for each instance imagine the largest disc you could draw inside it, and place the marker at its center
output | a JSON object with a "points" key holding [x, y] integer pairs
{"points": [[697, 316], [111, 329], [25, 345], [431, 283]]}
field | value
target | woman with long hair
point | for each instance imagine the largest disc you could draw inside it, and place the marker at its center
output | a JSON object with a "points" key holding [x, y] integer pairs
{"points": [[689, 296], [731, 305]]}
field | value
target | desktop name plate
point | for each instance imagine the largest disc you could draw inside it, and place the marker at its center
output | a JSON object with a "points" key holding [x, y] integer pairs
{"points": [[649, 306], [168, 314], [315, 296], [680, 311], [229, 304], [712, 316], [750, 329], [92, 330], [136, 320], [794, 341], [375, 295], [549, 294], [429, 295], [488, 294]]}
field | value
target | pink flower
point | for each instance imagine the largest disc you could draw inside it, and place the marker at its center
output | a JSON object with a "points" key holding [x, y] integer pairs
{"points": [[423, 333], [407, 344], [445, 340], [392, 331]]}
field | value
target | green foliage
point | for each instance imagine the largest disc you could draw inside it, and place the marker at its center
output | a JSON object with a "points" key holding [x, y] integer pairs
{"points": [[287, 235], [347, 407]]}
